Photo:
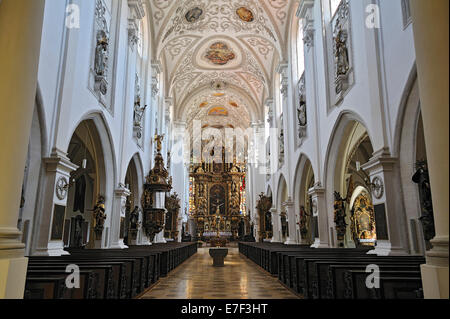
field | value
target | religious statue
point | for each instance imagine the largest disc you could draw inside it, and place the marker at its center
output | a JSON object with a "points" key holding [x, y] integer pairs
{"points": [[138, 112], [301, 109], [99, 217], [134, 218], [421, 177], [138, 109], [235, 202], [339, 217], [218, 207], [78, 232], [303, 222], [158, 140], [341, 53], [101, 54]]}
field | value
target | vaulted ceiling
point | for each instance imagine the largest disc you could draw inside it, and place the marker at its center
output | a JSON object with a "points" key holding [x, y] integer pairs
{"points": [[220, 53]]}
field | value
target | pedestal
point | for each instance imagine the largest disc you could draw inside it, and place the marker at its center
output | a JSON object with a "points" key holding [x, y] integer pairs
{"points": [[218, 255]]}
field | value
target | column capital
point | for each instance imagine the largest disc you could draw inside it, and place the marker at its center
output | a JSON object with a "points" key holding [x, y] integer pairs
{"points": [[122, 192], [156, 67], [269, 102], [317, 191], [137, 10], [305, 8], [282, 68], [59, 162], [380, 163], [289, 203]]}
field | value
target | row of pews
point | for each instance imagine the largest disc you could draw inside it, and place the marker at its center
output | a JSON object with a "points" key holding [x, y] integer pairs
{"points": [[104, 274], [330, 273]]}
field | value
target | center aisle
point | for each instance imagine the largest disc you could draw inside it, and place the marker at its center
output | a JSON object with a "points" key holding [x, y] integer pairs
{"points": [[239, 279]]}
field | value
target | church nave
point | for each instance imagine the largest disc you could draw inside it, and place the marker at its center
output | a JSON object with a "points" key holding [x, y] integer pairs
{"points": [[303, 144]]}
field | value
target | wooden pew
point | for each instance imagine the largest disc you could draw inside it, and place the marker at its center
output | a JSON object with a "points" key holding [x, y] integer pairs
{"points": [[324, 280], [393, 285], [46, 287], [109, 275], [355, 283], [118, 273], [88, 283], [121, 270]]}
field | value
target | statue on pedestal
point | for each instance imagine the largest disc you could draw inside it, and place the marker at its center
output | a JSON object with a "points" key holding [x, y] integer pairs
{"points": [[99, 217]]}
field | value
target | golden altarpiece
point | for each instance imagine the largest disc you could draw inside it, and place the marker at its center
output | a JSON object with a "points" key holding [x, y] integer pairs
{"points": [[217, 198]]}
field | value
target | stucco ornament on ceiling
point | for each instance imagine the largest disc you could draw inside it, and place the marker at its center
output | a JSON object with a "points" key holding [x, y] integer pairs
{"points": [[236, 42]]}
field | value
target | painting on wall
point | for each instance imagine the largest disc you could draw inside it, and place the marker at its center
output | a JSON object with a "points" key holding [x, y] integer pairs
{"points": [[219, 53], [245, 14], [194, 14], [218, 111]]}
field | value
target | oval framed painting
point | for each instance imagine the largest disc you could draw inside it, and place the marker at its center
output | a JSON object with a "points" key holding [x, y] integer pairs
{"points": [[245, 14], [220, 54], [194, 14]]}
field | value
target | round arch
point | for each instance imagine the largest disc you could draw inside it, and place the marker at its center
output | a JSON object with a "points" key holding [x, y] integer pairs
{"points": [[304, 180], [91, 149], [409, 147], [349, 133]]}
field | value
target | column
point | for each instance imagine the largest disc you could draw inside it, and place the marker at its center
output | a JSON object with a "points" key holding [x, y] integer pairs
{"points": [[430, 22], [119, 211], [58, 169], [276, 226], [320, 211], [392, 238], [292, 218], [20, 38]]}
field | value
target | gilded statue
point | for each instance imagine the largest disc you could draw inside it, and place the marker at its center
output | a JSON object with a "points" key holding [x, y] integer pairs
{"points": [[99, 216], [159, 139]]}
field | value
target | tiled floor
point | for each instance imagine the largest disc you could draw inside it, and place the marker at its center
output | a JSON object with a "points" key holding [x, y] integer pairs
{"points": [[239, 279]]}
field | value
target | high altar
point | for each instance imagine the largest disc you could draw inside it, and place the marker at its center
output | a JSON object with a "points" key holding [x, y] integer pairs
{"points": [[216, 199]]}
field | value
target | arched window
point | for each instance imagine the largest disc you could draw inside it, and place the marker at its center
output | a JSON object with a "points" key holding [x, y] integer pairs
{"points": [[334, 4], [140, 44], [300, 50]]}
